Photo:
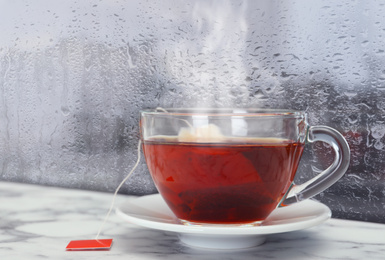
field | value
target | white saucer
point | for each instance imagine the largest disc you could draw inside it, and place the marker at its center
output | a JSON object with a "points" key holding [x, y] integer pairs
{"points": [[152, 212]]}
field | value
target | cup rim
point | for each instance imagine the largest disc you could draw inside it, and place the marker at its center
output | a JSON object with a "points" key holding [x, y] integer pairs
{"points": [[244, 112]]}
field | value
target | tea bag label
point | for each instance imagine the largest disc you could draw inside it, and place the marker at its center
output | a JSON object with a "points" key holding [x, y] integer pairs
{"points": [[203, 134], [92, 244]]}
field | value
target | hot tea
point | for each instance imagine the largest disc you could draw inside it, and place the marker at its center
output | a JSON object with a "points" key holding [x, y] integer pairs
{"points": [[233, 166], [236, 181]]}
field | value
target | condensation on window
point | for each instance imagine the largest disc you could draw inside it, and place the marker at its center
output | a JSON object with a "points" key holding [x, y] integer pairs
{"points": [[74, 75]]}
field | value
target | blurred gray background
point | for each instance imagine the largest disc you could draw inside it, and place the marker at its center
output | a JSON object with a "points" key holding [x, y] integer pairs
{"points": [[74, 75]]}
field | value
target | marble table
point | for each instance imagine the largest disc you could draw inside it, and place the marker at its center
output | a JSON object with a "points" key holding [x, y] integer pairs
{"points": [[37, 222]]}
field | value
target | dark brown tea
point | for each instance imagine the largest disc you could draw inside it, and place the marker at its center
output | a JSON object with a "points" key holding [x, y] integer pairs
{"points": [[223, 183]]}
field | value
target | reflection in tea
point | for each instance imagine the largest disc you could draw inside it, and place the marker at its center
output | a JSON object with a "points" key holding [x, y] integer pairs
{"points": [[234, 181]]}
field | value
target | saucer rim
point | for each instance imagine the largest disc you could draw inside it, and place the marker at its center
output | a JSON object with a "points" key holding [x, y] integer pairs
{"points": [[322, 214]]}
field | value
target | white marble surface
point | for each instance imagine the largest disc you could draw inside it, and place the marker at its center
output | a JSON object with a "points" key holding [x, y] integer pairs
{"points": [[38, 222]]}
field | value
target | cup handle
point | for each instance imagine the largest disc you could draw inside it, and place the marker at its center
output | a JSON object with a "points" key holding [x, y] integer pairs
{"points": [[329, 176]]}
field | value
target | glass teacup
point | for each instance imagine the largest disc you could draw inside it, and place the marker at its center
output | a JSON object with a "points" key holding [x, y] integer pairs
{"points": [[233, 166]]}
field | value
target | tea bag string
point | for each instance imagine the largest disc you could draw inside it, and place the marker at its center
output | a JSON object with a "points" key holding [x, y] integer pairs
{"points": [[165, 111], [161, 109], [127, 177], [117, 189]]}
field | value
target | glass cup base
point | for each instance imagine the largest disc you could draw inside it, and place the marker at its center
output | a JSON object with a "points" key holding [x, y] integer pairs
{"points": [[200, 224]]}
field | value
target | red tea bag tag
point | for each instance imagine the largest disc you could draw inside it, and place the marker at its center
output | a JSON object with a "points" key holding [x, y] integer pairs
{"points": [[92, 244]]}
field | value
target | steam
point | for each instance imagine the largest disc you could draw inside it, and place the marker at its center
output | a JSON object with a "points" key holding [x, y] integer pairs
{"points": [[207, 60]]}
